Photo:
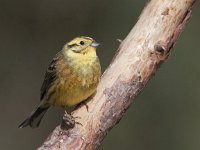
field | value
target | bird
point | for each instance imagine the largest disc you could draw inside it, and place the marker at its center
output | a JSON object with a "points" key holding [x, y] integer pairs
{"points": [[71, 78]]}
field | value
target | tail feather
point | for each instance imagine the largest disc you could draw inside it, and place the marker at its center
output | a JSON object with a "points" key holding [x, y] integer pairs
{"points": [[35, 118]]}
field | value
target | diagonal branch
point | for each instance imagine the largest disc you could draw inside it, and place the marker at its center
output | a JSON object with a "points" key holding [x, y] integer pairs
{"points": [[148, 45]]}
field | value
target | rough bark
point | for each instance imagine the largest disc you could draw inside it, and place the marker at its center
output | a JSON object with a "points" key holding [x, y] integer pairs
{"points": [[148, 45]]}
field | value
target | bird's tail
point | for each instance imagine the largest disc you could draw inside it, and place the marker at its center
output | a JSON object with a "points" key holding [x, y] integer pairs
{"points": [[35, 118]]}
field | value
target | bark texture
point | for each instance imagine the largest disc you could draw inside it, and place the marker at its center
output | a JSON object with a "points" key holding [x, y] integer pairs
{"points": [[148, 45]]}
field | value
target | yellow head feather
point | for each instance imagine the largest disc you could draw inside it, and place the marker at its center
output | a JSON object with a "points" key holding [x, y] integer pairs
{"points": [[81, 49]]}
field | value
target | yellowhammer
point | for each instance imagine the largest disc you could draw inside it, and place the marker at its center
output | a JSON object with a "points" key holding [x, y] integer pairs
{"points": [[71, 78]]}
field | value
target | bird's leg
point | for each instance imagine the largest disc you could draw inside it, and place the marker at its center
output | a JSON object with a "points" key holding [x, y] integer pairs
{"points": [[82, 103], [85, 104], [68, 121]]}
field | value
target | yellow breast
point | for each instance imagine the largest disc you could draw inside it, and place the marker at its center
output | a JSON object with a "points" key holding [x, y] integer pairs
{"points": [[75, 82]]}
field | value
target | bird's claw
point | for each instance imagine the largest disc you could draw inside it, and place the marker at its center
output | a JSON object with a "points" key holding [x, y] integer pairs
{"points": [[69, 121]]}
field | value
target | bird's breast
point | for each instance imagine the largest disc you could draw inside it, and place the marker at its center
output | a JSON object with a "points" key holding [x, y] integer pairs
{"points": [[76, 83]]}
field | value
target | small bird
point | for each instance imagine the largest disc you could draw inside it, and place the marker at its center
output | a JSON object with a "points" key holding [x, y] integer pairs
{"points": [[72, 77]]}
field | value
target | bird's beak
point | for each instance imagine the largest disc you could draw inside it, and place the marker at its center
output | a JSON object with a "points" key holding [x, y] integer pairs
{"points": [[95, 44]]}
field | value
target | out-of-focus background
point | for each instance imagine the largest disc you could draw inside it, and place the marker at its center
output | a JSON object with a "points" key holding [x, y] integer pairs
{"points": [[165, 116]]}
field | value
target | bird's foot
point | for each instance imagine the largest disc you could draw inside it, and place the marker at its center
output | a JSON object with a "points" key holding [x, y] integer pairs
{"points": [[69, 121]]}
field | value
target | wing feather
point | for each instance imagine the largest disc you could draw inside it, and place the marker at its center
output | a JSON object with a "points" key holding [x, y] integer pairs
{"points": [[50, 75]]}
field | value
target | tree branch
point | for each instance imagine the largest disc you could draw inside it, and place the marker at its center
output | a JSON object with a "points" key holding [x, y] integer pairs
{"points": [[148, 45]]}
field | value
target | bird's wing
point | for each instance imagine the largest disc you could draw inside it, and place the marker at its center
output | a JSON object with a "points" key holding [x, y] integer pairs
{"points": [[50, 75]]}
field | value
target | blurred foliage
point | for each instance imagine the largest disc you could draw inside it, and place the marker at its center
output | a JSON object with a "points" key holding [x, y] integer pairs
{"points": [[165, 116]]}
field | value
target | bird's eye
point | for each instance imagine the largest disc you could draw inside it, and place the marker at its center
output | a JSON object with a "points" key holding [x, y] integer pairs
{"points": [[82, 42]]}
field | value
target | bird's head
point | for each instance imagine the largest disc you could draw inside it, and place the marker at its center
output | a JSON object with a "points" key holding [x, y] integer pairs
{"points": [[80, 46]]}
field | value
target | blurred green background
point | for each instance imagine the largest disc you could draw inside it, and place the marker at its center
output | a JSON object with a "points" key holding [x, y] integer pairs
{"points": [[165, 116]]}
